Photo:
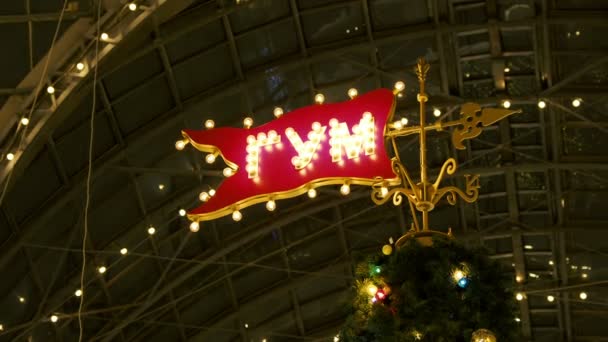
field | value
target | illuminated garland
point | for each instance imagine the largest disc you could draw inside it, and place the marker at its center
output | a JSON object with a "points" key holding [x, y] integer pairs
{"points": [[444, 292]]}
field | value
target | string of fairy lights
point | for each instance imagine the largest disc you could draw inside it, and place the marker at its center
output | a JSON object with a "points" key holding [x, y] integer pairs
{"points": [[345, 190], [81, 68]]}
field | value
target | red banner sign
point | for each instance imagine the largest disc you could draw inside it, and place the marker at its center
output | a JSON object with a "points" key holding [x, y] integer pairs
{"points": [[339, 143]]}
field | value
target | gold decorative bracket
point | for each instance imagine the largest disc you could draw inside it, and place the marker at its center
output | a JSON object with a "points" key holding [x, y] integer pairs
{"points": [[424, 195]]}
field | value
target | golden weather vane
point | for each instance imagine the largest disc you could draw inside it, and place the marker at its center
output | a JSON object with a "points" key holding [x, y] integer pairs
{"points": [[424, 195]]}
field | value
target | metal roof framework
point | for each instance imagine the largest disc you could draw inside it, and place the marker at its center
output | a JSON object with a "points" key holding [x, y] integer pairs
{"points": [[281, 277]]}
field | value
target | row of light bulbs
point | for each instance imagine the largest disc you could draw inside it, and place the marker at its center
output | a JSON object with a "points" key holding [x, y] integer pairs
{"points": [[270, 204], [278, 111], [80, 66], [550, 298]]}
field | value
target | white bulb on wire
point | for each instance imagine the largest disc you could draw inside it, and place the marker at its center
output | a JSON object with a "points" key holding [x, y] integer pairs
{"points": [[345, 189], [124, 251], [352, 93], [319, 98], [104, 36], [151, 230], [79, 66], [228, 172], [399, 86], [182, 212], [54, 318], [542, 104], [506, 103], [10, 156], [312, 193], [437, 112], [278, 111], [248, 122], [78, 293], [50, 89], [576, 102], [210, 158], [180, 144], [271, 205], [132, 7], [102, 270], [25, 121], [194, 226], [237, 216], [209, 124]]}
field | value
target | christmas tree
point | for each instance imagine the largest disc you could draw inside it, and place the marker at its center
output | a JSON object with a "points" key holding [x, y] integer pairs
{"points": [[436, 290]]}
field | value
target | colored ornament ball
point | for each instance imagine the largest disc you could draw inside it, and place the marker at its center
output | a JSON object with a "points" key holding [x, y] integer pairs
{"points": [[463, 282], [387, 249]]}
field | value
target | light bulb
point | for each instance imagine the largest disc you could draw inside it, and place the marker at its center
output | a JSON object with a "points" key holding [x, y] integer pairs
{"points": [[582, 295], [180, 144], [21, 299], [194, 227], [228, 172], [345, 189], [542, 104], [278, 111], [237, 216], [404, 121], [437, 112], [457, 275], [399, 86], [124, 251], [210, 158], [161, 186], [576, 102], [271, 205], [78, 293], [54, 318], [204, 197], [319, 98], [507, 69], [550, 299], [519, 296], [102, 270], [209, 124], [384, 191], [506, 103], [372, 289], [517, 319], [25, 121], [151, 230], [211, 192], [10, 156], [80, 66], [182, 212], [132, 7], [104, 36], [50, 89], [247, 122], [312, 193], [398, 124], [1, 327], [352, 93]]}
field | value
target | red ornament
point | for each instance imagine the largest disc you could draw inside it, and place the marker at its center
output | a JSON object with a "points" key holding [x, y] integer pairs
{"points": [[380, 295]]}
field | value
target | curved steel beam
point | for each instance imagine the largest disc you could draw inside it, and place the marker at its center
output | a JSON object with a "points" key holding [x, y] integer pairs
{"points": [[256, 232]]}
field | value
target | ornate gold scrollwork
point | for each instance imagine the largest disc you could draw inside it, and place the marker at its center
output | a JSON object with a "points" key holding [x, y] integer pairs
{"points": [[423, 196]]}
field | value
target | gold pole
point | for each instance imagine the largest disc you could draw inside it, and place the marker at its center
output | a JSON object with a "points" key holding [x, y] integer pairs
{"points": [[421, 69]]}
